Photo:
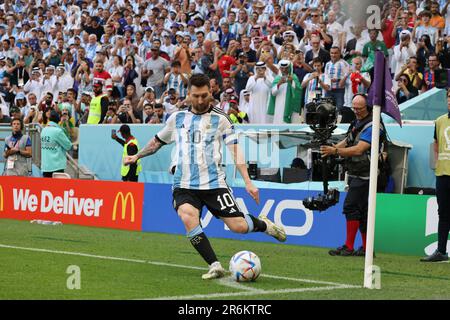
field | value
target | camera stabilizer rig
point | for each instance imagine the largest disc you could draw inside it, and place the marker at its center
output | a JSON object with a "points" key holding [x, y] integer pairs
{"points": [[321, 116]]}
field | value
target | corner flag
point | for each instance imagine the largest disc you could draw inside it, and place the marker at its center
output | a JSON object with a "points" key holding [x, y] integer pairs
{"points": [[380, 93]]}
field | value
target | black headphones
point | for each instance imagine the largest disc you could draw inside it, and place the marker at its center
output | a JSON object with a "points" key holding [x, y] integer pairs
{"points": [[366, 99]]}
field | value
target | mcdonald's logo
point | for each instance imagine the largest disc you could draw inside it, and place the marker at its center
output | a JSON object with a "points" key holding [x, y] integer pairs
{"points": [[1, 198], [124, 201]]}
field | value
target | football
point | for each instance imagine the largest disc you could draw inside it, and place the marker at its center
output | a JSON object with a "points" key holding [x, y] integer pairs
{"points": [[245, 266]]}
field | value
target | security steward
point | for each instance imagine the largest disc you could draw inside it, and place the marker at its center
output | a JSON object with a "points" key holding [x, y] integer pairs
{"points": [[235, 114], [442, 171], [99, 104], [355, 148], [130, 148]]}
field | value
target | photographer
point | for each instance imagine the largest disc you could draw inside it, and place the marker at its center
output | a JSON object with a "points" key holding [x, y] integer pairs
{"points": [[403, 51], [177, 80], [147, 98], [355, 148], [242, 72], [335, 69], [170, 101], [18, 73], [125, 114], [67, 123], [148, 112], [82, 107], [410, 70], [159, 115], [316, 82], [32, 116], [286, 96], [7, 91], [443, 51], [46, 102], [111, 114]]}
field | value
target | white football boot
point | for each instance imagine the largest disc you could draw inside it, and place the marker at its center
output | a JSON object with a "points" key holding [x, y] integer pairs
{"points": [[215, 271], [274, 230]]}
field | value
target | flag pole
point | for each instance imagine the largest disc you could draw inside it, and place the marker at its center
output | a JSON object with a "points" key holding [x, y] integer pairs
{"points": [[370, 234], [381, 96]]}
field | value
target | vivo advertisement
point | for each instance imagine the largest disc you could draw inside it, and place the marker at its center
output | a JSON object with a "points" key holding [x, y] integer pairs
{"points": [[303, 226]]}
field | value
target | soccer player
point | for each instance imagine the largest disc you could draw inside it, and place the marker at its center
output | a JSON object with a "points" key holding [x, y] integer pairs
{"points": [[199, 179]]}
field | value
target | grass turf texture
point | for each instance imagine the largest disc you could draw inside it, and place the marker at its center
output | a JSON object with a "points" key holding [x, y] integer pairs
{"points": [[29, 274]]}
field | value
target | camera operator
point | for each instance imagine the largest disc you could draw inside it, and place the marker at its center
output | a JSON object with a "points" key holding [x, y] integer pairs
{"points": [[355, 148]]}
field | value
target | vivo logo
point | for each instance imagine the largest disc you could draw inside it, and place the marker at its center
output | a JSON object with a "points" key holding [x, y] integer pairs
{"points": [[279, 209]]}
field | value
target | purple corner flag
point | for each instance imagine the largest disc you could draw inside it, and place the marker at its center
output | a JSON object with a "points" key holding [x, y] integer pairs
{"points": [[380, 92]]}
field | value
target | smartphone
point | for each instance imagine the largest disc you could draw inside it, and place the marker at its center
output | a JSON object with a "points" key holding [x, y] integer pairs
{"points": [[113, 132]]}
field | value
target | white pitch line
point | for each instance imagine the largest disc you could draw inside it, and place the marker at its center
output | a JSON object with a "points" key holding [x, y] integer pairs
{"points": [[165, 264], [104, 257], [230, 282], [254, 293], [303, 280]]}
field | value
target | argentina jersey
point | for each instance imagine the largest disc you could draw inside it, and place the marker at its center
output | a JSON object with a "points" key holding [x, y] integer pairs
{"points": [[198, 151]]}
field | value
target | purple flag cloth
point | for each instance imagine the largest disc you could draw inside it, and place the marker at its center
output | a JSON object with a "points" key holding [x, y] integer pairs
{"points": [[380, 92]]}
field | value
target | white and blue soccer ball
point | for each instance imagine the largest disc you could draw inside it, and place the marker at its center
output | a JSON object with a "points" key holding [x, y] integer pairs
{"points": [[245, 266]]}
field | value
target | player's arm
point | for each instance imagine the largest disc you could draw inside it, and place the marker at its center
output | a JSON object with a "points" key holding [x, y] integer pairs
{"points": [[152, 147], [165, 136], [239, 161]]}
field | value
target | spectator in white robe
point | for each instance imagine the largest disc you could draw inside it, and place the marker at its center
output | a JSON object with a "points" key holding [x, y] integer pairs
{"points": [[259, 86]]}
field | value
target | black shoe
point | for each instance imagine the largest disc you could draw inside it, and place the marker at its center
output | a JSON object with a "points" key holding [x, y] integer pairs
{"points": [[361, 252], [341, 251], [435, 257]]}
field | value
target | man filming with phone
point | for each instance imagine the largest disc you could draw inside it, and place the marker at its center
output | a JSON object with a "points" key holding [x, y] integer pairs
{"points": [[130, 148]]}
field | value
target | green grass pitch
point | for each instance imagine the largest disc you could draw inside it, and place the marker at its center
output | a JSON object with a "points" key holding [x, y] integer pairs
{"points": [[113, 264]]}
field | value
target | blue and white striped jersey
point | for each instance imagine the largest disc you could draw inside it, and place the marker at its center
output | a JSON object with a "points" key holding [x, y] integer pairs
{"points": [[198, 151]]}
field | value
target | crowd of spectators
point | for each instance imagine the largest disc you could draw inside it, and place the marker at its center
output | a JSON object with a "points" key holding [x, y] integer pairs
{"points": [[260, 55]]}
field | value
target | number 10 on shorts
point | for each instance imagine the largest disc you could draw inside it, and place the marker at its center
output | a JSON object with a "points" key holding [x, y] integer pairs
{"points": [[226, 201]]}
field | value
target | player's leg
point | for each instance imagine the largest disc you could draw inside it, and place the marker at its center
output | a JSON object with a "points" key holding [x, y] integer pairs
{"points": [[443, 200], [443, 212], [222, 204], [352, 217], [363, 189], [188, 207]]}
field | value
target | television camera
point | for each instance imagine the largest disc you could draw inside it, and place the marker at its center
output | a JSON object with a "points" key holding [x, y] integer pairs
{"points": [[321, 116]]}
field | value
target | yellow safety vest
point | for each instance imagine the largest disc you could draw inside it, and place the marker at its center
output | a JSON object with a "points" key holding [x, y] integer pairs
{"points": [[241, 115], [95, 110], [125, 169], [443, 139]]}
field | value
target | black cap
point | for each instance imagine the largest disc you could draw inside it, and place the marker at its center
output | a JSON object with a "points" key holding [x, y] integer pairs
{"points": [[125, 129]]}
